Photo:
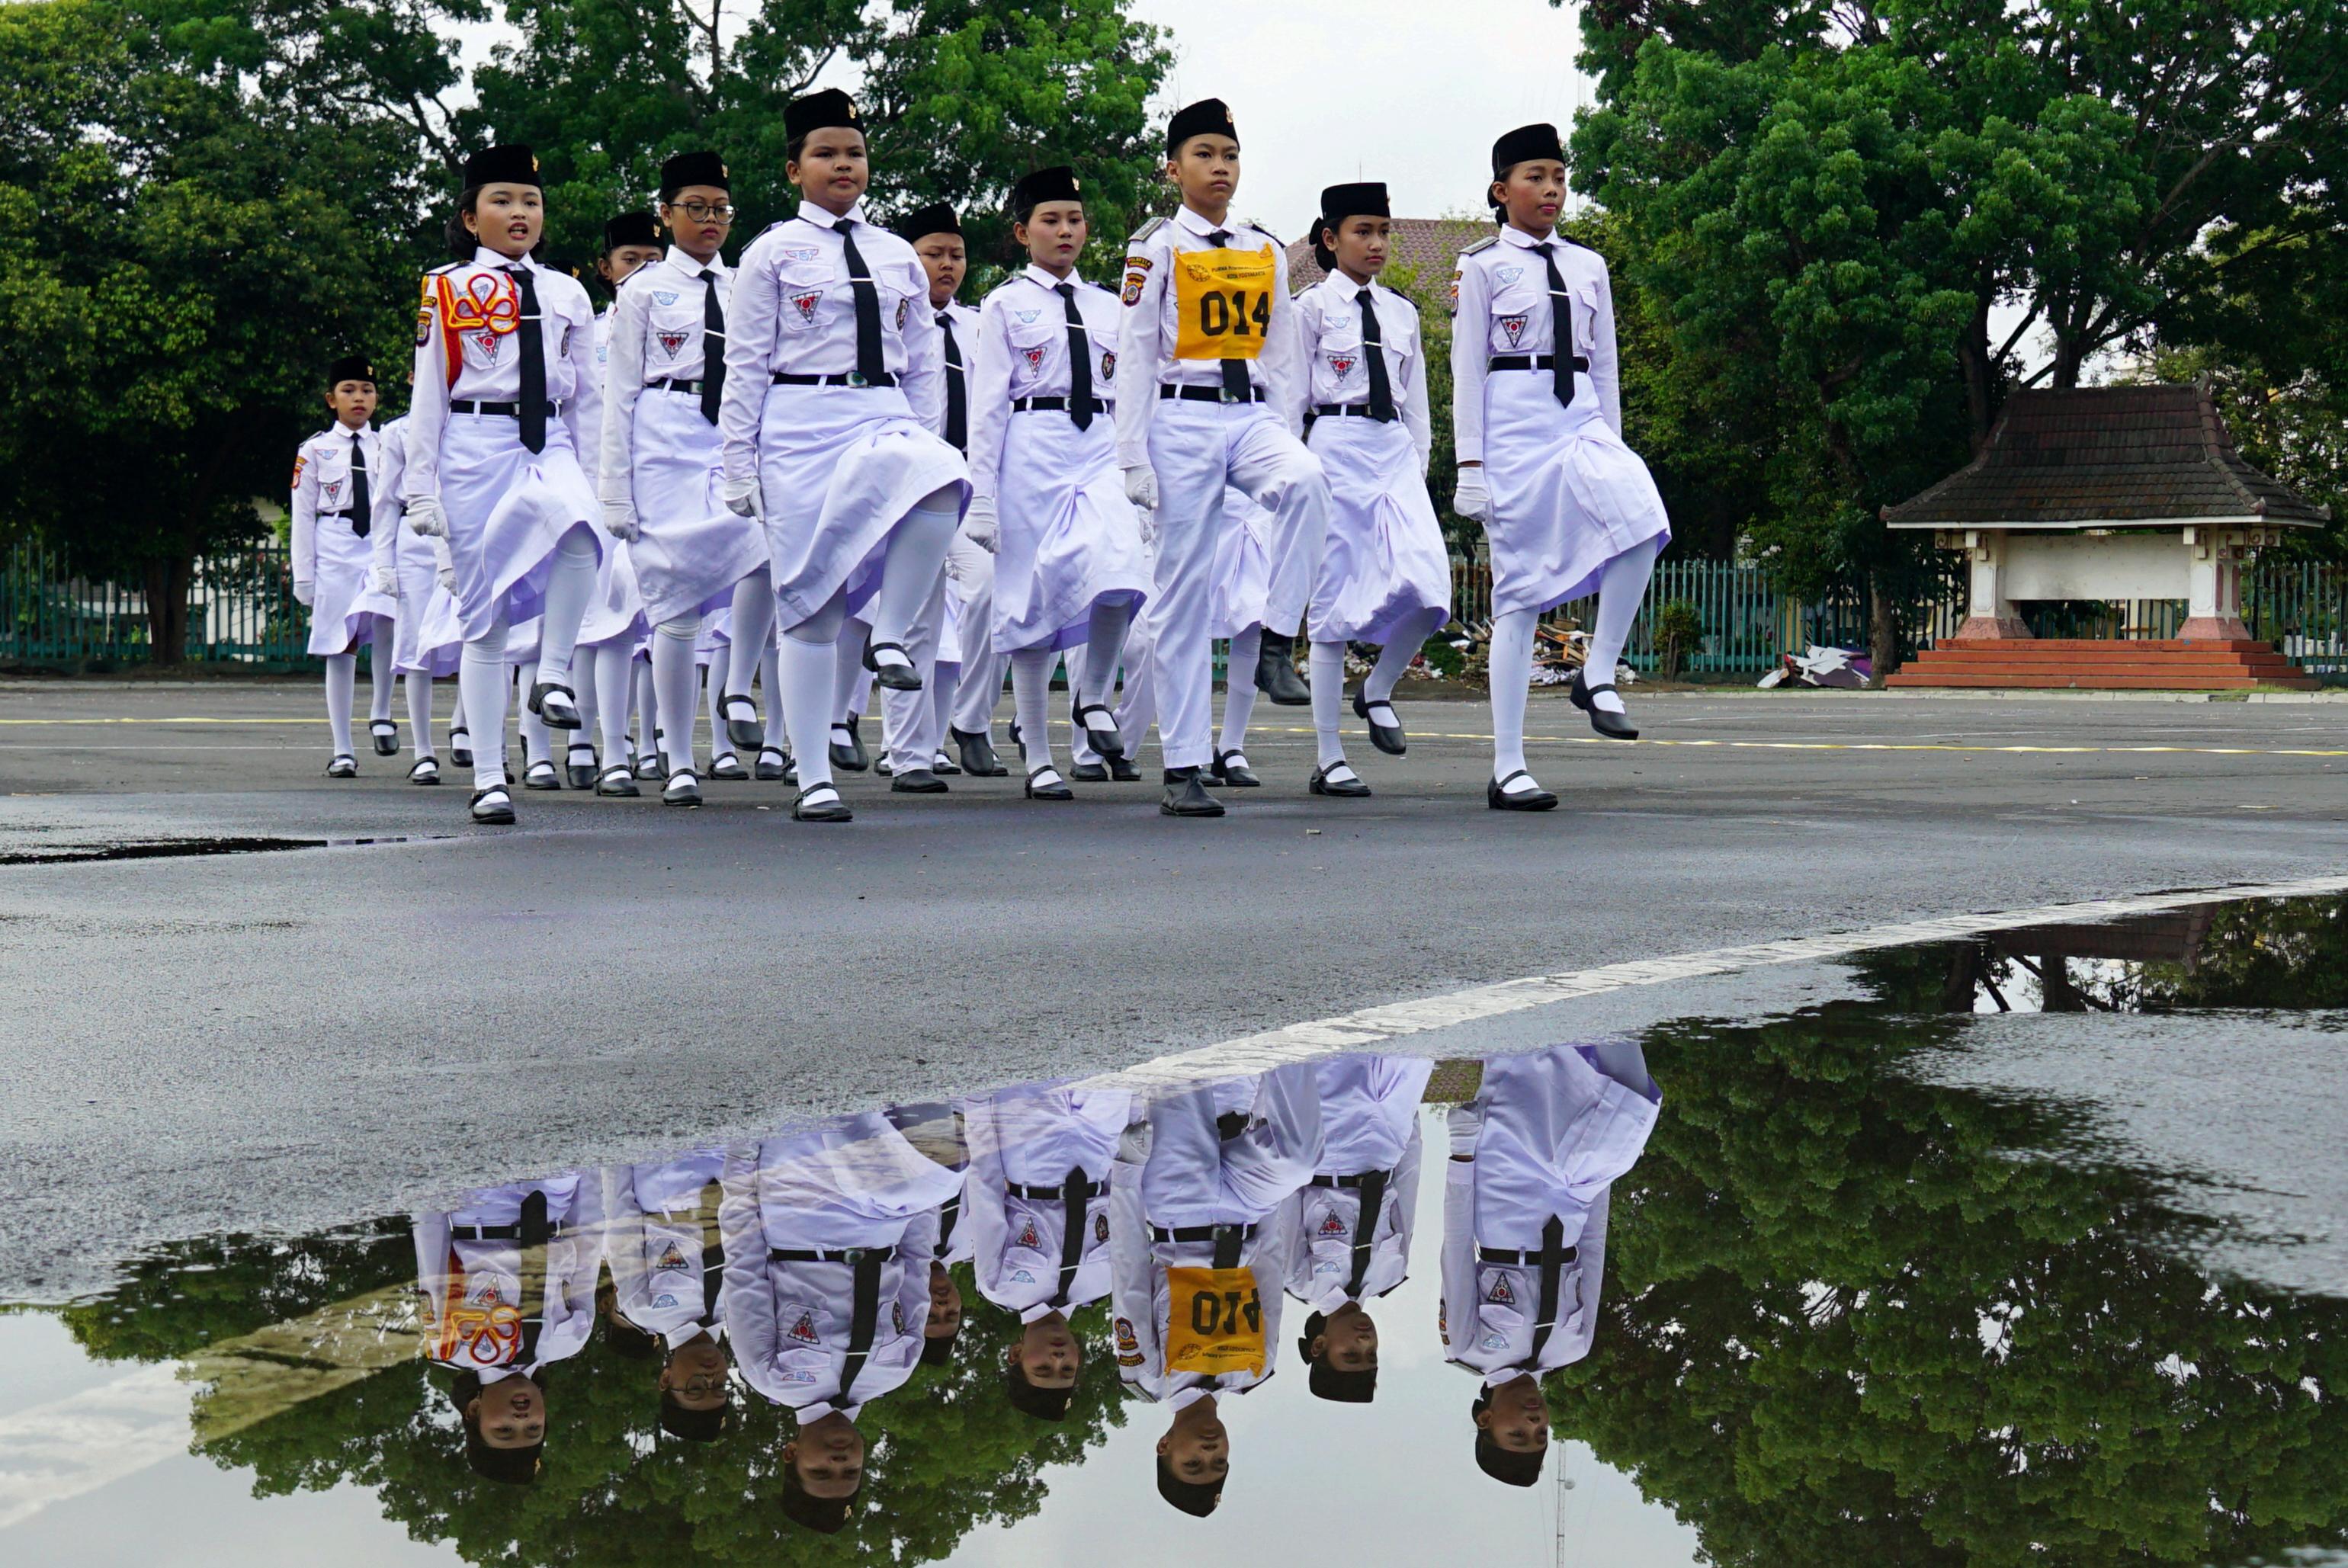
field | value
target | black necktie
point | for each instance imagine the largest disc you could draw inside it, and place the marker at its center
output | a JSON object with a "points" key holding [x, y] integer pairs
{"points": [[362, 506], [1080, 359], [1373, 1191], [1561, 328], [713, 346], [533, 362], [869, 365], [1554, 1256], [1374, 355], [957, 394], [1076, 1193], [530, 1236], [1236, 384], [866, 1318]]}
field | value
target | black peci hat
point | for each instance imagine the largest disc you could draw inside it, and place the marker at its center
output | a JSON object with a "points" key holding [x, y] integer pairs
{"points": [[691, 169], [1326, 1381], [937, 218], [514, 165], [1523, 145], [824, 1515], [630, 229], [1056, 184], [1044, 1404], [693, 1426], [350, 367], [1208, 117], [1194, 1498], [1361, 199], [821, 111]]}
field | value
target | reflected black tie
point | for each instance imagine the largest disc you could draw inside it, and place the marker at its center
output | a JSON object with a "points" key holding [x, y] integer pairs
{"points": [[1227, 1246], [1076, 1193], [867, 1316], [957, 393], [1554, 1256], [1374, 355], [1373, 1191], [713, 346], [1561, 328], [533, 361], [1236, 384], [361, 504], [713, 1254], [869, 362], [1080, 360], [530, 1236]]}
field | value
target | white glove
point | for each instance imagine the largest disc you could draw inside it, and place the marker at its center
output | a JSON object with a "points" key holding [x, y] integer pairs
{"points": [[448, 575], [1465, 1124], [1133, 1146], [1141, 487], [620, 521], [387, 581], [979, 525], [424, 517], [1474, 500], [305, 593], [741, 497], [1148, 517]]}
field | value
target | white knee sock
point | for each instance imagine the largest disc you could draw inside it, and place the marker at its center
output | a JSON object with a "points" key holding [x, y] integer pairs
{"points": [[754, 627], [1031, 700], [721, 664], [770, 678], [806, 667], [1511, 675], [1239, 690], [1407, 636], [676, 686], [481, 676], [380, 677], [537, 743], [569, 588], [419, 713], [1620, 589], [614, 671], [647, 716], [1328, 678], [917, 554], [342, 676]]}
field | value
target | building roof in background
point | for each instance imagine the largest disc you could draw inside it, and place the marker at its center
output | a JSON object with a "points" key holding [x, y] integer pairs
{"points": [[1430, 245], [2094, 455]]}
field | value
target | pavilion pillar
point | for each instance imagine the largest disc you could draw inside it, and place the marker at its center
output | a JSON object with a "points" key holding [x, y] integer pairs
{"points": [[1988, 611], [2213, 582]]}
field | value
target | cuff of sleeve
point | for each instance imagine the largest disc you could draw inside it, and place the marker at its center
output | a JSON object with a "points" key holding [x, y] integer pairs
{"points": [[1469, 452]]}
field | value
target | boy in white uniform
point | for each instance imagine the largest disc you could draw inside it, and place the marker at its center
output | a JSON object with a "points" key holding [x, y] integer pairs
{"points": [[667, 1279]]}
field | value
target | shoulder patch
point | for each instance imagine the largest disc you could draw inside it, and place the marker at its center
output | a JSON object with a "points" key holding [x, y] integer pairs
{"points": [[1485, 243], [1146, 231]]}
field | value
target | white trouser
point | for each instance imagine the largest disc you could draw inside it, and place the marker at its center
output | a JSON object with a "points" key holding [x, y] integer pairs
{"points": [[910, 717]]}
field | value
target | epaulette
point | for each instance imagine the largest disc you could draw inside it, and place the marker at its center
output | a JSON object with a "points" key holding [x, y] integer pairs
{"points": [[1005, 284], [1264, 231], [449, 267], [1146, 231], [1485, 243]]}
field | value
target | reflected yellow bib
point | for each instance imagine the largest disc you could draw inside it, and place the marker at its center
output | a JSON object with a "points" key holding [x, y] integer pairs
{"points": [[1223, 300], [1214, 1321]]}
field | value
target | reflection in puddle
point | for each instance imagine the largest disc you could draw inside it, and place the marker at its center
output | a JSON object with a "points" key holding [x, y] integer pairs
{"points": [[1818, 1308]]}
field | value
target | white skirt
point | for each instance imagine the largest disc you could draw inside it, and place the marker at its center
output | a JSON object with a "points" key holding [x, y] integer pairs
{"points": [[839, 468], [1384, 556], [1069, 538], [507, 508], [693, 550], [1568, 495], [1242, 588], [615, 615], [345, 605], [423, 604]]}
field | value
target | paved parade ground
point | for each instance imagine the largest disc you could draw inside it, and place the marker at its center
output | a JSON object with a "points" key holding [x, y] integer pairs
{"points": [[348, 1027]]}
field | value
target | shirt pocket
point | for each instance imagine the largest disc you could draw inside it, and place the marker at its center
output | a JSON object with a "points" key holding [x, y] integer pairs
{"points": [[673, 330], [1516, 310], [1031, 344], [333, 467], [804, 286], [1340, 351], [1584, 293]]}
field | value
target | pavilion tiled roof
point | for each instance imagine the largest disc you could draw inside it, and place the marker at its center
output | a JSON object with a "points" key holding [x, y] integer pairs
{"points": [[1431, 246], [2094, 455]]}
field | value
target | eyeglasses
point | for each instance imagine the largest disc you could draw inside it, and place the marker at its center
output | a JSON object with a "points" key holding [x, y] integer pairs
{"points": [[703, 1385], [702, 212]]}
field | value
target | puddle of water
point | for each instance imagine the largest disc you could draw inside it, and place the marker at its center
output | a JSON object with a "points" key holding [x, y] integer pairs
{"points": [[168, 849], [1777, 1291]]}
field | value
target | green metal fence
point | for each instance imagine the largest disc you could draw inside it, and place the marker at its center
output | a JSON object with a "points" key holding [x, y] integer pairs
{"points": [[240, 609]]}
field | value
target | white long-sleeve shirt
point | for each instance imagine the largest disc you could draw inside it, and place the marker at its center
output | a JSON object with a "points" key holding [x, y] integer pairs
{"points": [[323, 486], [1023, 352], [658, 332], [1504, 307], [1329, 323], [469, 349], [1369, 1121], [793, 310], [657, 1247], [1031, 1137], [472, 1290]]}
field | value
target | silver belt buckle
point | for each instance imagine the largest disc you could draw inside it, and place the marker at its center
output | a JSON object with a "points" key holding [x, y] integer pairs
{"points": [[1231, 397], [855, 378]]}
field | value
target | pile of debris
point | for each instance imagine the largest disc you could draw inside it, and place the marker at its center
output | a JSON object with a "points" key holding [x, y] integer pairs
{"points": [[1845, 668], [1560, 648]]}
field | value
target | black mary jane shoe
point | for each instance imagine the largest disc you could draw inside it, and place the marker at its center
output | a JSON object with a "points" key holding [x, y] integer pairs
{"points": [[682, 788], [648, 762], [1186, 797], [1107, 742], [1231, 769], [892, 674], [812, 807], [426, 772], [741, 730], [558, 714], [882, 767], [917, 781], [978, 758], [386, 736], [492, 806], [1386, 737], [850, 756], [1496, 796], [1275, 672], [1612, 725], [773, 763], [540, 775], [726, 769], [342, 766], [1349, 787], [617, 784], [1051, 790], [943, 767], [1090, 773], [577, 774], [1122, 771], [460, 754], [1020, 741]]}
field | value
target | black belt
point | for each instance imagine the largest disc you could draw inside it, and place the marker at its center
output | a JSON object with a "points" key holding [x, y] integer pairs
{"points": [[1503, 1255], [844, 378], [1049, 1194], [674, 385], [1187, 1233], [1535, 362], [511, 410], [1058, 405], [495, 1232], [340, 514], [1352, 1181], [1342, 411], [820, 1254], [1211, 395]]}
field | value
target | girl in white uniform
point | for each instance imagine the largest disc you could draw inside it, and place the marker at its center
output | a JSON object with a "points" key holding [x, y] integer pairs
{"points": [[665, 381], [505, 390], [1537, 409], [333, 565], [410, 572], [1070, 568], [833, 391], [1385, 577]]}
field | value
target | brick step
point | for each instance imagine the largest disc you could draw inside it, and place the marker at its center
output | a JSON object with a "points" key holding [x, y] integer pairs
{"points": [[2041, 681], [2279, 668], [2090, 644]]}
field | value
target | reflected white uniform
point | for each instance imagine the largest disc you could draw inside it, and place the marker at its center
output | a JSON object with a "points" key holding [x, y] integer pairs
{"points": [[1369, 1123], [480, 1295], [1024, 1144], [663, 1219]]}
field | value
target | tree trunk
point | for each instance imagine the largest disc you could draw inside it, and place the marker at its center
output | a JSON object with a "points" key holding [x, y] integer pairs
{"points": [[169, 582], [1973, 356], [1882, 630]]}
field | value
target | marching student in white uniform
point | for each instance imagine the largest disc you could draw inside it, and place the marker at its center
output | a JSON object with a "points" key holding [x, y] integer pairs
{"points": [[1198, 1262], [1205, 363], [1533, 1158], [828, 1235], [1036, 1204], [1537, 408], [333, 566], [666, 383], [1046, 489], [668, 1274], [834, 386], [1385, 576], [505, 392], [409, 571], [505, 1286], [1350, 1226]]}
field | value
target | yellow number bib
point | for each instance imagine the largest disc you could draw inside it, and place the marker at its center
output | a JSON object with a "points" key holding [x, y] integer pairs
{"points": [[1214, 1322], [1223, 300]]}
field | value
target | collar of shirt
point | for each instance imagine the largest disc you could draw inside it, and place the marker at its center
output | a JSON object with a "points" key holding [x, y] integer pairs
{"points": [[489, 1375], [1039, 1311], [1045, 280], [1518, 237], [692, 269], [679, 1337], [353, 434], [1190, 220], [1327, 1303], [485, 257], [825, 218], [1183, 1399]]}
